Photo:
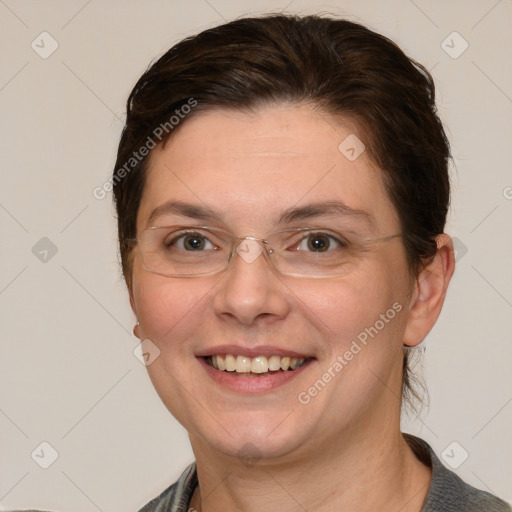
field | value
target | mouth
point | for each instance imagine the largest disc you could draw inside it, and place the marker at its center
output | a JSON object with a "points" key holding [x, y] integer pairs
{"points": [[253, 371], [259, 366]]}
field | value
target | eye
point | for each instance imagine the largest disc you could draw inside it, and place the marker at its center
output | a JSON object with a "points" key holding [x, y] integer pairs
{"points": [[190, 242], [319, 242]]}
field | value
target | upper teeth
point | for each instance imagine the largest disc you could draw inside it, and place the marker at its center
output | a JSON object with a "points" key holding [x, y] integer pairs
{"points": [[260, 364]]}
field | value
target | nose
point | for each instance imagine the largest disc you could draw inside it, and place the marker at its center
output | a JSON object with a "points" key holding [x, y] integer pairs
{"points": [[251, 292]]}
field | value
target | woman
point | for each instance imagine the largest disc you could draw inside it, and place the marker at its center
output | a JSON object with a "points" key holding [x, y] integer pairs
{"points": [[282, 188]]}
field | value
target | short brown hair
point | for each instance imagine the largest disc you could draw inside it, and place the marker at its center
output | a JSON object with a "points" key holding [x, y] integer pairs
{"points": [[339, 67]]}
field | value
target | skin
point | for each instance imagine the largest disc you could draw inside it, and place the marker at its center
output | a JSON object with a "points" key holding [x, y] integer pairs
{"points": [[343, 450]]}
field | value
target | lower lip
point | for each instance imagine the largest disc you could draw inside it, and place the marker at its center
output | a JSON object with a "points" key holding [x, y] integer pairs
{"points": [[251, 385]]}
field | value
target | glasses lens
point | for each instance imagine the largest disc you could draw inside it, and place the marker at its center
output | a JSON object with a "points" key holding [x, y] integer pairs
{"points": [[181, 251], [312, 253]]}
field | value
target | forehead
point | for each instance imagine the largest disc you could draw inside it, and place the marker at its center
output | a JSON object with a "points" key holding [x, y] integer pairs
{"points": [[250, 167]]}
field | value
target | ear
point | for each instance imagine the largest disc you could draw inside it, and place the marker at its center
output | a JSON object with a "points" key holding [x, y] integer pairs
{"points": [[136, 328], [429, 292]]}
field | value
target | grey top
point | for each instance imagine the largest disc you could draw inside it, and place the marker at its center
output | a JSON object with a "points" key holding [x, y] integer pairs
{"points": [[447, 492]]}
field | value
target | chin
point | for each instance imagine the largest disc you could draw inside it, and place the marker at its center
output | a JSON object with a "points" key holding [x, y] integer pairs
{"points": [[251, 440]]}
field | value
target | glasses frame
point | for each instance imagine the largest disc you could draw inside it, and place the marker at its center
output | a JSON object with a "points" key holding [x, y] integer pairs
{"points": [[264, 242]]}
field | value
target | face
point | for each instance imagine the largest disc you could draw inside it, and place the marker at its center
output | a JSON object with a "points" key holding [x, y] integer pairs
{"points": [[248, 169]]}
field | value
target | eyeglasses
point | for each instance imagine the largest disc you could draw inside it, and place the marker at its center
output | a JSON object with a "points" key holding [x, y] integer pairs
{"points": [[193, 251]]}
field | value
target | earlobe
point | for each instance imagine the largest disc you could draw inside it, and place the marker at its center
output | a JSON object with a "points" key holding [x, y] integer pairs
{"points": [[136, 328], [429, 293]]}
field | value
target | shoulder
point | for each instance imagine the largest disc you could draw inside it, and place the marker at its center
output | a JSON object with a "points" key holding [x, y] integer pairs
{"points": [[176, 498], [447, 491]]}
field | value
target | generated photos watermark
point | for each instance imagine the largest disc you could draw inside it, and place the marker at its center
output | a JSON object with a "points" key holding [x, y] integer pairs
{"points": [[361, 341], [157, 136]]}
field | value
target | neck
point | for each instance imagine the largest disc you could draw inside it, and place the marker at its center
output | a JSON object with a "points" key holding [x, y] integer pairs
{"points": [[364, 472]]}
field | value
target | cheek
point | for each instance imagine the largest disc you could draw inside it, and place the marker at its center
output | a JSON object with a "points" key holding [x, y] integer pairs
{"points": [[163, 307], [362, 322], [168, 312], [354, 304]]}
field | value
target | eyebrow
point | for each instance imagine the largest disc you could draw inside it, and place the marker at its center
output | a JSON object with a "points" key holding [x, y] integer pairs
{"points": [[204, 213], [193, 211], [338, 208]]}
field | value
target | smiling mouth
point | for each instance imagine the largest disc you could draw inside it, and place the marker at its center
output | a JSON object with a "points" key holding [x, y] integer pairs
{"points": [[244, 366]]}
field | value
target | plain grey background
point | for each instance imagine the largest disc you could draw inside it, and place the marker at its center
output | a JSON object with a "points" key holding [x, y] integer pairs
{"points": [[68, 375]]}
